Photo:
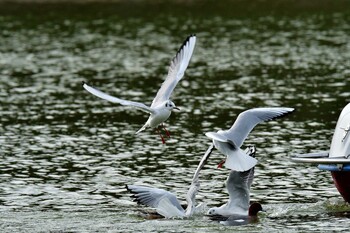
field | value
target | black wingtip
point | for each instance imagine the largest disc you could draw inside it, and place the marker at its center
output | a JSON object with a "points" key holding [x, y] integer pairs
{"points": [[185, 42], [133, 196], [283, 115], [130, 191], [83, 82]]}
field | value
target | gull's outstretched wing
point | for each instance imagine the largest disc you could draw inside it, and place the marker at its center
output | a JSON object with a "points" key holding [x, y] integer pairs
{"points": [[165, 203], [193, 190], [238, 184], [176, 70], [113, 99], [238, 187], [247, 120], [202, 163], [219, 136]]}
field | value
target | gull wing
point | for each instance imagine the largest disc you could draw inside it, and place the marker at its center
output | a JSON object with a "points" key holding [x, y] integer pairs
{"points": [[193, 190], [247, 120], [248, 178], [238, 186], [250, 150], [167, 209], [202, 162], [163, 201], [176, 70], [113, 99], [216, 136], [221, 137]]}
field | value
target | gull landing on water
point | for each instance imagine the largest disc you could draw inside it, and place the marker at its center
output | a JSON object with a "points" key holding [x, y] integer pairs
{"points": [[229, 141], [238, 187], [237, 210], [161, 106], [166, 203]]}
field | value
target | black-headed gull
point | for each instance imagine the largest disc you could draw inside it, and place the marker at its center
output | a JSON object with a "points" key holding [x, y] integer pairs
{"points": [[237, 209], [229, 141], [166, 203], [161, 106]]}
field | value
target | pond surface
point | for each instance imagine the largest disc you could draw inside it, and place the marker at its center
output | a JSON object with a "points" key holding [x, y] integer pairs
{"points": [[65, 155]]}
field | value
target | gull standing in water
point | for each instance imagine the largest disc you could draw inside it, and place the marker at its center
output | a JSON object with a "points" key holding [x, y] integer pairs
{"points": [[161, 106], [166, 203], [229, 141], [237, 209]]}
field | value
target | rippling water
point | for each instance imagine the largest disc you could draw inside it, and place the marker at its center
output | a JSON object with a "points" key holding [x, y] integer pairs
{"points": [[65, 155]]}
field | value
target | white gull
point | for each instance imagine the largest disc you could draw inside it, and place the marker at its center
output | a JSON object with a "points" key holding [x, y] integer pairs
{"points": [[238, 186], [166, 203], [161, 106], [229, 141]]}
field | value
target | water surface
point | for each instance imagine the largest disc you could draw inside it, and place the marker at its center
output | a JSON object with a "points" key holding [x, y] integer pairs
{"points": [[65, 155]]}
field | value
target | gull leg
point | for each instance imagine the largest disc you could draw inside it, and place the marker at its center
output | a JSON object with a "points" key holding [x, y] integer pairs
{"points": [[166, 131], [221, 163], [161, 136]]}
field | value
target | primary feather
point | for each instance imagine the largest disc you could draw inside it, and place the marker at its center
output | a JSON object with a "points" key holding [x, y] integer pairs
{"points": [[113, 99], [161, 106], [229, 141], [176, 70], [248, 119]]}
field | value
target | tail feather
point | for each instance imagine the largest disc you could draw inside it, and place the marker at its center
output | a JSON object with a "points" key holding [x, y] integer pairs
{"points": [[142, 129], [237, 160]]}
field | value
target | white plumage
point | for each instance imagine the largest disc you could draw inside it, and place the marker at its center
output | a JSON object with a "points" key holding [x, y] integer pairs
{"points": [[161, 106], [229, 141], [166, 203]]}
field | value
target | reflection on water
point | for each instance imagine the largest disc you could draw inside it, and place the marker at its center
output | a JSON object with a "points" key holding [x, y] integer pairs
{"points": [[69, 153]]}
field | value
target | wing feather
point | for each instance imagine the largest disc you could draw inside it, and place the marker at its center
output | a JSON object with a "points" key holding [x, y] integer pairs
{"points": [[194, 188], [163, 201], [113, 99], [248, 119], [176, 70]]}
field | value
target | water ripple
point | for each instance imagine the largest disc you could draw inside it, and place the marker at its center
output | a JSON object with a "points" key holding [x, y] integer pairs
{"points": [[63, 149]]}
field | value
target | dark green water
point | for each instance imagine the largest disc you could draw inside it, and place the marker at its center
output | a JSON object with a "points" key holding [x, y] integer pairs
{"points": [[65, 155]]}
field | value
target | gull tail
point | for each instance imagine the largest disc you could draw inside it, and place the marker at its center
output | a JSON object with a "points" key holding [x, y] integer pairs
{"points": [[238, 160], [142, 129]]}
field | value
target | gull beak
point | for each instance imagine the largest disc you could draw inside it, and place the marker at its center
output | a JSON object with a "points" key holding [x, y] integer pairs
{"points": [[178, 109]]}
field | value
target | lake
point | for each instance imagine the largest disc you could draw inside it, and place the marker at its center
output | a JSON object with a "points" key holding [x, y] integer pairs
{"points": [[66, 156]]}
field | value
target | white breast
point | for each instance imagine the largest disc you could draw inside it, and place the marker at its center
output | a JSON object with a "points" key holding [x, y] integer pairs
{"points": [[159, 117]]}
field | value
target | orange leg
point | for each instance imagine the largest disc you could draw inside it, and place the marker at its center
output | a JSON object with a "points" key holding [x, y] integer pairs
{"points": [[221, 163], [161, 136], [166, 131]]}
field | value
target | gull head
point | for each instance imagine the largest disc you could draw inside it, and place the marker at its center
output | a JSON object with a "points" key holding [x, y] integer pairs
{"points": [[170, 105]]}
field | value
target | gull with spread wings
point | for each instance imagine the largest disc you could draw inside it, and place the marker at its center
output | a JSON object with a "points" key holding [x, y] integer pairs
{"points": [[229, 142], [237, 210], [161, 106], [166, 203]]}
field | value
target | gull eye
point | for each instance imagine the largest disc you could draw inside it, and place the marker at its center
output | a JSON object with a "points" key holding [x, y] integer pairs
{"points": [[166, 105]]}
